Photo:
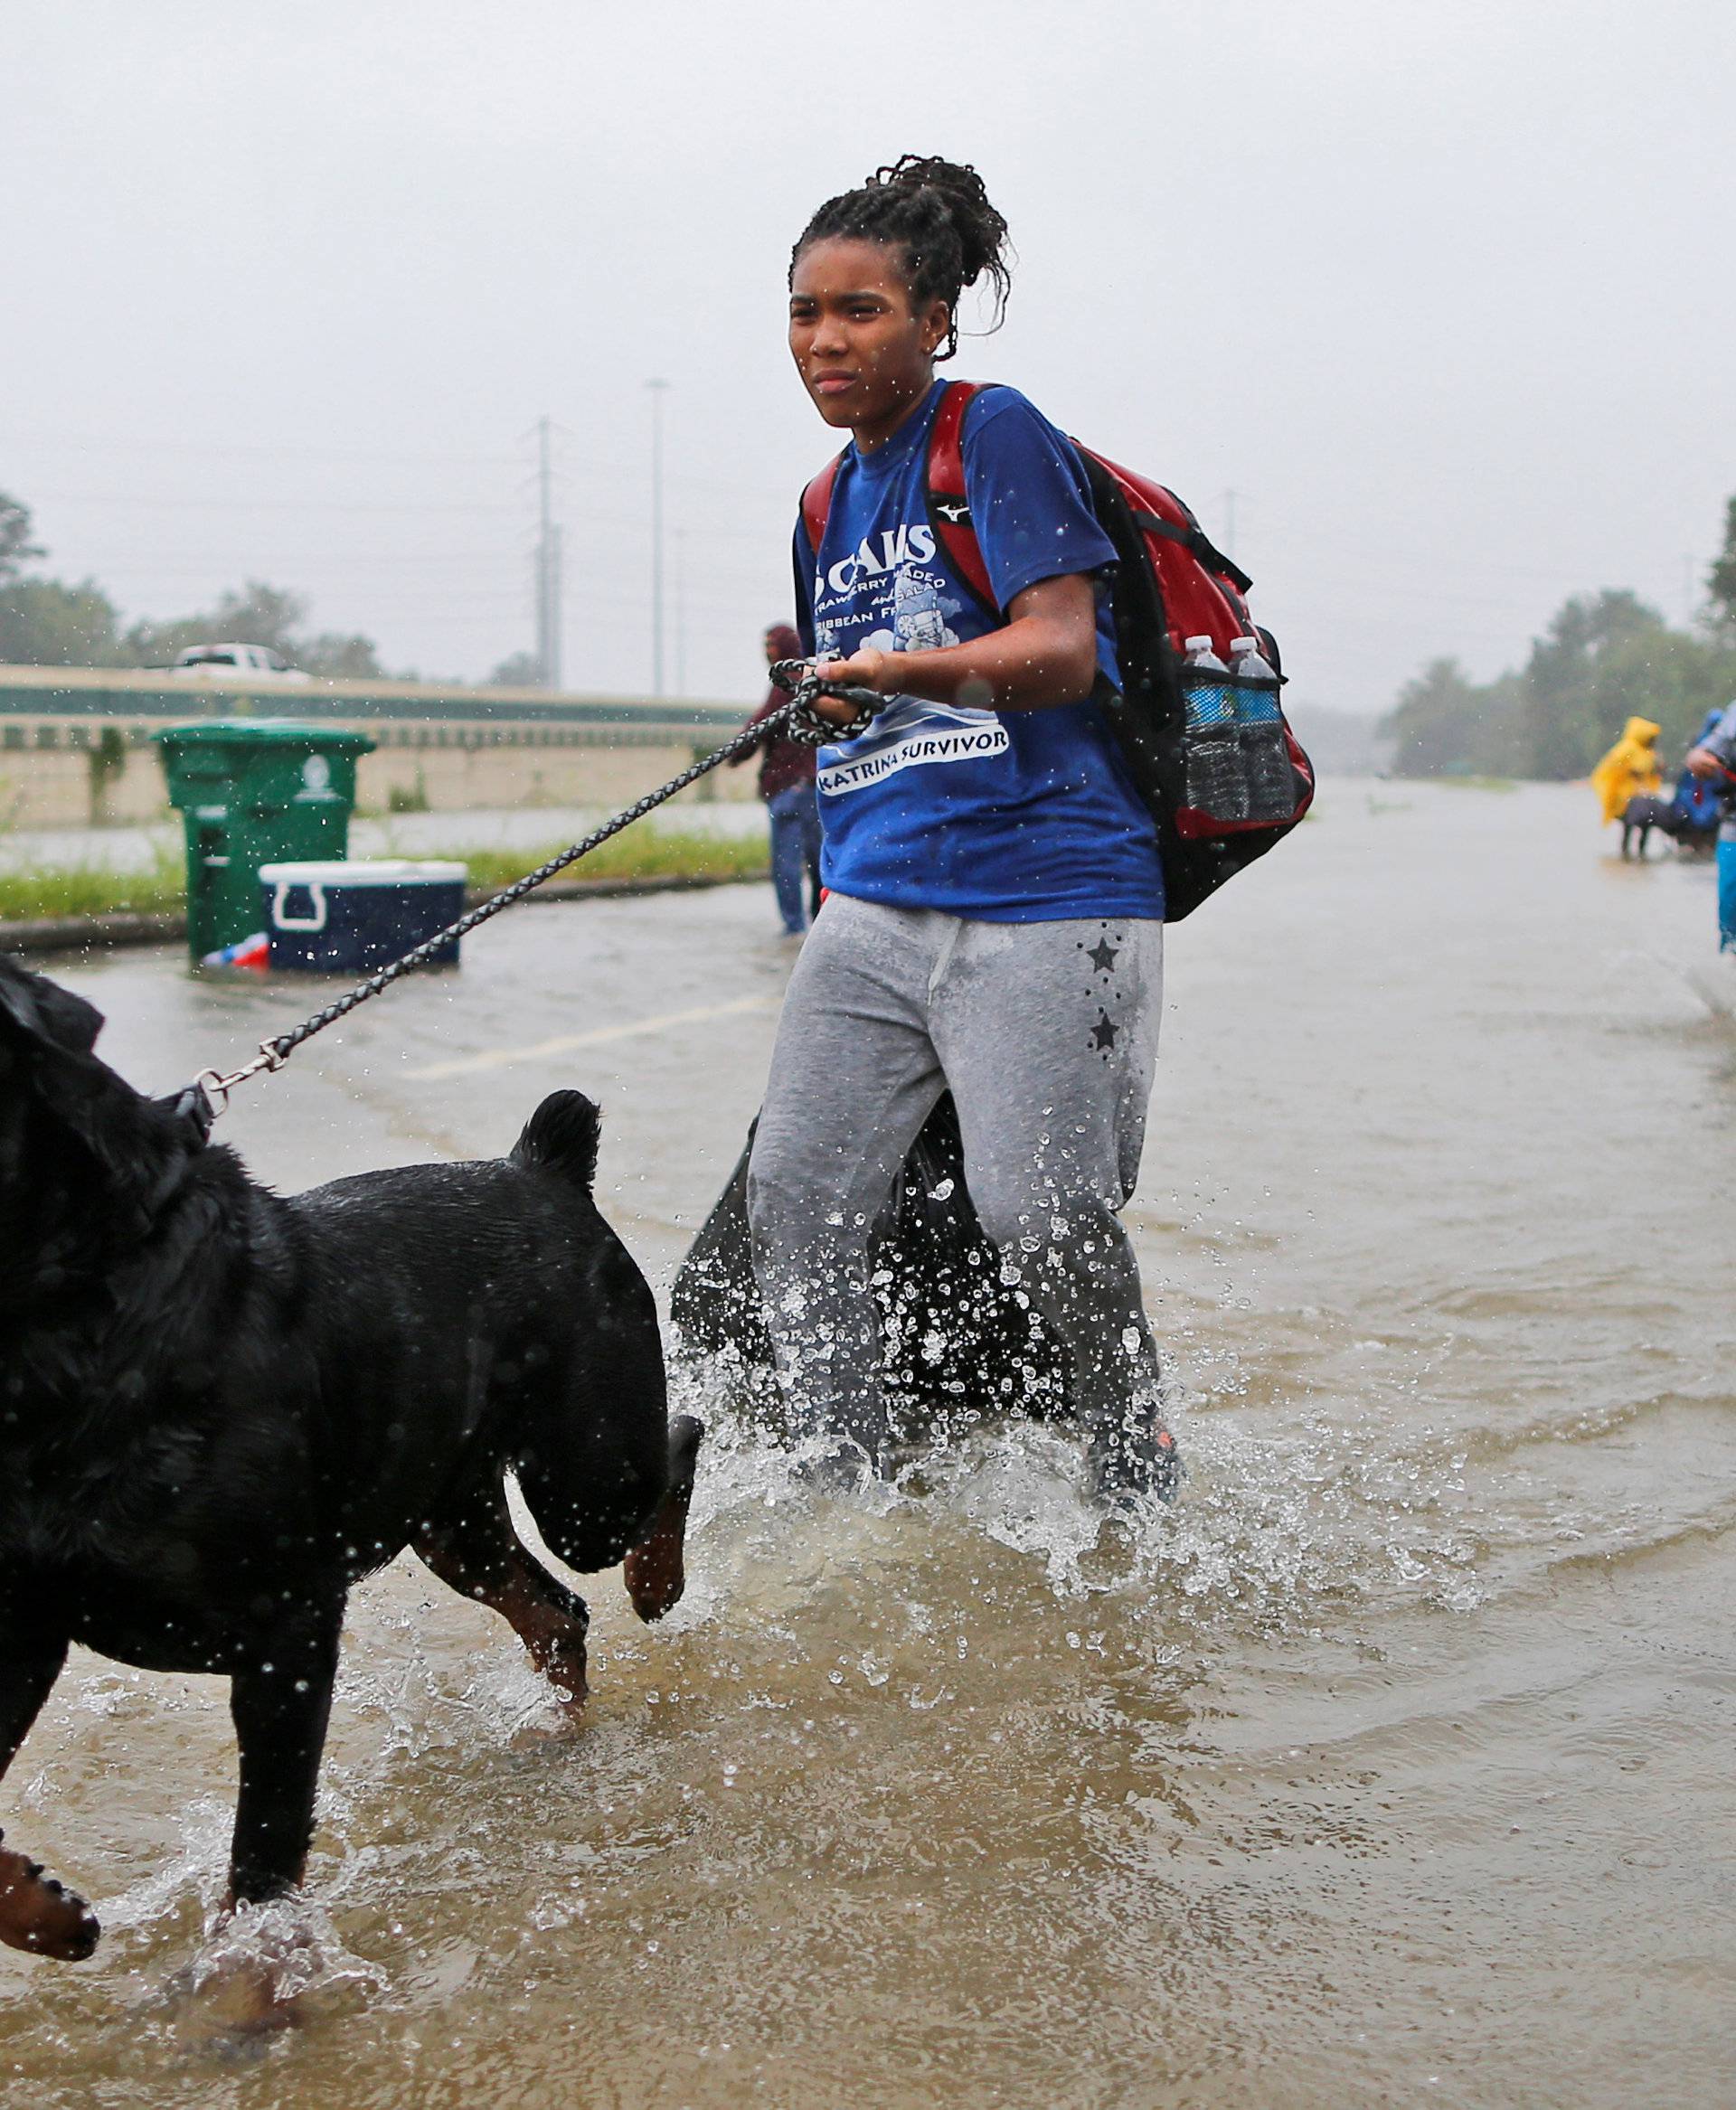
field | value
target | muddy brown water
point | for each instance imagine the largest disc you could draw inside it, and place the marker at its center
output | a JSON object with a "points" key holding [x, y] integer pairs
{"points": [[1393, 1766]]}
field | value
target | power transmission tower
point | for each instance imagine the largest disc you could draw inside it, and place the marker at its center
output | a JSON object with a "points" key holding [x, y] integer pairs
{"points": [[548, 566], [658, 389]]}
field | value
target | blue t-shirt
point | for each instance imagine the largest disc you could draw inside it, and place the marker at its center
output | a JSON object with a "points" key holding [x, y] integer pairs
{"points": [[1029, 817]]}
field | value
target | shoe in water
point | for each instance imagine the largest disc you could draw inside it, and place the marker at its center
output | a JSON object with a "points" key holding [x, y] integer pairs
{"points": [[1121, 1468], [841, 1467]]}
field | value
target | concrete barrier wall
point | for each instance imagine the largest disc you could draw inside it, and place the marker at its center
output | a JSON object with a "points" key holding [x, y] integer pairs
{"points": [[75, 747], [533, 773], [47, 778]]}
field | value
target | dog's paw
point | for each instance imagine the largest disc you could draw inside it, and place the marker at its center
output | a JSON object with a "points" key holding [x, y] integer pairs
{"points": [[656, 1571], [235, 2001], [564, 1668], [555, 1644], [40, 1914]]}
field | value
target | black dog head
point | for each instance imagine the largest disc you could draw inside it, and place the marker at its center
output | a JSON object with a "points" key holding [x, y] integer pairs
{"points": [[41, 1010], [85, 1160]]}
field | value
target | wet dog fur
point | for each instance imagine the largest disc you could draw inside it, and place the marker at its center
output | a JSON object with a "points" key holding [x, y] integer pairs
{"points": [[219, 1408]]}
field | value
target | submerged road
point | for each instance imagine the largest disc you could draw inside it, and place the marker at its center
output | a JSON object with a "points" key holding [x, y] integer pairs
{"points": [[1392, 1765]]}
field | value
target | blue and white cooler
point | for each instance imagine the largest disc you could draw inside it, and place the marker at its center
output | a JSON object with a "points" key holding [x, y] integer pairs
{"points": [[349, 918]]}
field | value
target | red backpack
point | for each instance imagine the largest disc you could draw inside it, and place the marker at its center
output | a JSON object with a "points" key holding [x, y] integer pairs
{"points": [[1210, 751]]}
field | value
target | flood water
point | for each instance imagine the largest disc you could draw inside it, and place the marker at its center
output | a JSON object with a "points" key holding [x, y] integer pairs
{"points": [[1393, 1765]]}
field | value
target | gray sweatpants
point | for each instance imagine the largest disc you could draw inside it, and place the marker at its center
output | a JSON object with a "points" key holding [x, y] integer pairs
{"points": [[1046, 1035]]}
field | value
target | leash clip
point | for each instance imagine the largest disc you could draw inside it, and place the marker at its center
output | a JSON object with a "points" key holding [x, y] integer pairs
{"points": [[214, 1086]]}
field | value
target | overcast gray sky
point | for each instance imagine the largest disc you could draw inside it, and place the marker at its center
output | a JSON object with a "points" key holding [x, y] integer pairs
{"points": [[1441, 289]]}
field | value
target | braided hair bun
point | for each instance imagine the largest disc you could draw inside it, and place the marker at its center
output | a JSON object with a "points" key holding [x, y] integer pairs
{"points": [[938, 216]]}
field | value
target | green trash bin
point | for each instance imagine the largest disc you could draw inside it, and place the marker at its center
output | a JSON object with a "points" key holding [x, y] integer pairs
{"points": [[254, 791]]}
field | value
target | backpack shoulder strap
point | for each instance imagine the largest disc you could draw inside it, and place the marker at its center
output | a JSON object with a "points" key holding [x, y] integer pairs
{"points": [[948, 505], [817, 502]]}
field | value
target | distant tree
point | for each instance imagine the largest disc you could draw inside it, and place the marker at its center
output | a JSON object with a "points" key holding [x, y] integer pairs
{"points": [[44, 623], [16, 546], [1721, 581], [1605, 659], [346, 656], [520, 670], [1446, 723], [1672, 677], [1571, 709], [259, 614]]}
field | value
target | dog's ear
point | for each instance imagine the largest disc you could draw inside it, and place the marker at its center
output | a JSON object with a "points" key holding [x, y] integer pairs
{"points": [[51, 1032], [39, 1010]]}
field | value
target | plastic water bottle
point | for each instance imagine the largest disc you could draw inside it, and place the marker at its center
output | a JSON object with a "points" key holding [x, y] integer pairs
{"points": [[1212, 698], [1250, 664], [1216, 781], [1265, 755]]}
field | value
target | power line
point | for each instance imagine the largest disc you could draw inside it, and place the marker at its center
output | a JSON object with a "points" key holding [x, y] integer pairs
{"points": [[209, 451], [599, 469], [209, 505]]}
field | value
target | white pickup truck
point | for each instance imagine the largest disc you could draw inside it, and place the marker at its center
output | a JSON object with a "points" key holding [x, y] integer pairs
{"points": [[213, 661]]}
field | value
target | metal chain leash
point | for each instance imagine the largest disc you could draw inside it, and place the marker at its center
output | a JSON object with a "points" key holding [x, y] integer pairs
{"points": [[797, 720]]}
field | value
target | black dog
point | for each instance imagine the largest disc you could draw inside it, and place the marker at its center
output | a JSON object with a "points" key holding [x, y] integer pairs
{"points": [[219, 1408], [1642, 813]]}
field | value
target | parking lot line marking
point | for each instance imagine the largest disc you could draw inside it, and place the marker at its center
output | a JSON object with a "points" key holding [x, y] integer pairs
{"points": [[538, 1050]]}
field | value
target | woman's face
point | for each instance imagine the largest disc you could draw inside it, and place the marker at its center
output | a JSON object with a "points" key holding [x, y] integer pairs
{"points": [[864, 352]]}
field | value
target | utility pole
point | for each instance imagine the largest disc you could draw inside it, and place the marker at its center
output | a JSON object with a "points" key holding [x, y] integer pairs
{"points": [[548, 565], [556, 578], [681, 611], [658, 389]]}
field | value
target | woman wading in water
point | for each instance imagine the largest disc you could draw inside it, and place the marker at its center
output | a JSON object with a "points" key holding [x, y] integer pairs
{"points": [[995, 926]]}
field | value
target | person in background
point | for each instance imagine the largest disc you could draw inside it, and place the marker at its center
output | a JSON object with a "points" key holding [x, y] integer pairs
{"points": [[786, 785], [1697, 807], [1714, 759], [1629, 771]]}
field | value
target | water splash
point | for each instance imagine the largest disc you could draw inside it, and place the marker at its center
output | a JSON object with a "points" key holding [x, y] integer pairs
{"points": [[273, 1957], [202, 1840], [1282, 1527]]}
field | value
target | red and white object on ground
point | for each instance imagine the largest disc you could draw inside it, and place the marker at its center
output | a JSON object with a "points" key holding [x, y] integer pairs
{"points": [[253, 952]]}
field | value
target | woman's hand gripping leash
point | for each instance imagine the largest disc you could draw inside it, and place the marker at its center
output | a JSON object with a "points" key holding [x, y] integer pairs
{"points": [[823, 710]]}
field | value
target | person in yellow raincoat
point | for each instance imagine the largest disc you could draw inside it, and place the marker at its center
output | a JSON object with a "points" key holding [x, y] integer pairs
{"points": [[1629, 768]]}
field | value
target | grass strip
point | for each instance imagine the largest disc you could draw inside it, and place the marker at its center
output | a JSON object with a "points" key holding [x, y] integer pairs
{"points": [[87, 890], [92, 890], [649, 854]]}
